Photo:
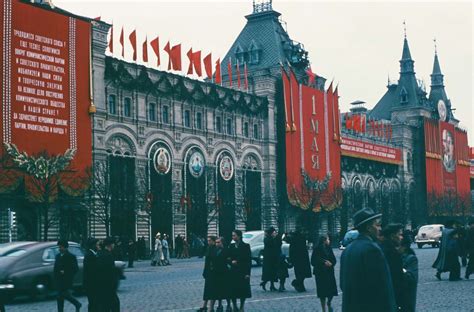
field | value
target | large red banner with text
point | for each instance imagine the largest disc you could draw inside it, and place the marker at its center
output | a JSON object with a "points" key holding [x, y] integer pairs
{"points": [[366, 150], [312, 145], [45, 64], [447, 168]]}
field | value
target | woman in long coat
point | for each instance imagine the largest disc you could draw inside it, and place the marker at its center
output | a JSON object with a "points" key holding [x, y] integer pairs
{"points": [[300, 259], [271, 257], [240, 259], [323, 262], [158, 257], [210, 285]]}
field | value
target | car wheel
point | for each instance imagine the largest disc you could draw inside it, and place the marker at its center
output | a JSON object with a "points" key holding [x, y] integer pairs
{"points": [[420, 245], [433, 245], [41, 288]]}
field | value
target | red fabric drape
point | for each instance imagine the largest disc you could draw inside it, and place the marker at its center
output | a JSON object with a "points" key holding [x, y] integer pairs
{"points": [[133, 41], [218, 74], [155, 45], [208, 65], [121, 40], [229, 71], [111, 40], [145, 50]]}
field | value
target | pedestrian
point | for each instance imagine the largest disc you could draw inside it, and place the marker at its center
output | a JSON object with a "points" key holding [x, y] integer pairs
{"points": [[107, 278], [90, 273], [2, 304], [239, 276], [323, 262], [271, 257], [179, 246], [158, 257], [365, 277], [209, 284], [392, 236], [410, 275], [65, 267], [185, 248], [282, 271], [470, 249], [166, 250], [131, 252], [453, 252], [440, 263], [221, 271], [299, 257]]}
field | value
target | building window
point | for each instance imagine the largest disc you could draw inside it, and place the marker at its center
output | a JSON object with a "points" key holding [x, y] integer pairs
{"points": [[255, 132], [246, 129], [152, 112], [166, 117], [187, 119], [218, 124], [228, 126], [127, 107], [403, 96], [112, 105], [198, 120]]}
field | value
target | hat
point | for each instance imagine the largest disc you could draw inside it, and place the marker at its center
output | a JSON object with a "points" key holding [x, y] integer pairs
{"points": [[363, 216], [63, 242]]}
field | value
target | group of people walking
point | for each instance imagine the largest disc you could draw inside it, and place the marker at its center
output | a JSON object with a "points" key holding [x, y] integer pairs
{"points": [[161, 256], [100, 276]]}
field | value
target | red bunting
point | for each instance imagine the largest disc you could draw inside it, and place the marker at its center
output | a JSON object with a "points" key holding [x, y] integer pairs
{"points": [[111, 40], [208, 65], [229, 71], [197, 63], [176, 57], [155, 45], [190, 57], [218, 74], [246, 78], [145, 50], [311, 76], [168, 50], [122, 43], [133, 41], [237, 70]]}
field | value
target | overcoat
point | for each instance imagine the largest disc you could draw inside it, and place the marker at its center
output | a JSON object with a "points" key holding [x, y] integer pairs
{"points": [[410, 281], [470, 251], [271, 257], [365, 278], [395, 264], [325, 280], [216, 273], [440, 262], [90, 273], [240, 285], [65, 267], [299, 256]]}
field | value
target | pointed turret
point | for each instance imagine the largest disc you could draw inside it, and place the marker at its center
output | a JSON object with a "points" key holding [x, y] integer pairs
{"points": [[406, 63], [437, 91], [436, 76]]}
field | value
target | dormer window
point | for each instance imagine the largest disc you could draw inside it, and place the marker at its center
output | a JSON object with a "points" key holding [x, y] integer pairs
{"points": [[254, 56], [239, 55], [403, 96]]}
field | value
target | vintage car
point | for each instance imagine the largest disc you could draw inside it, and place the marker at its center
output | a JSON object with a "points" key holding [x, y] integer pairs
{"points": [[255, 240], [429, 235], [27, 267]]}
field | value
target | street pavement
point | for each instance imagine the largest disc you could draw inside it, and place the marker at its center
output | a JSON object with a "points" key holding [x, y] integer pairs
{"points": [[179, 288]]}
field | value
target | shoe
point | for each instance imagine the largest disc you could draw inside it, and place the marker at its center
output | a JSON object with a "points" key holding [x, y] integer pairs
{"points": [[438, 276], [272, 287], [282, 288], [264, 286]]}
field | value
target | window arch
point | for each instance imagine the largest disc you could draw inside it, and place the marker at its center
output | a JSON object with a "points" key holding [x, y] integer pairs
{"points": [[127, 107], [112, 103], [403, 96]]}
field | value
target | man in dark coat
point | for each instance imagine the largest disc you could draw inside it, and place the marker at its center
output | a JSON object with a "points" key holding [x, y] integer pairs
{"points": [[453, 252], [131, 252], [410, 275], [240, 260], [470, 249], [440, 263], [90, 273], [299, 257], [392, 237], [107, 278], [65, 267], [271, 257], [365, 277]]}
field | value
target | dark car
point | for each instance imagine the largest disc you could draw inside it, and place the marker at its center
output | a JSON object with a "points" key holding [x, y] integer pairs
{"points": [[27, 267]]}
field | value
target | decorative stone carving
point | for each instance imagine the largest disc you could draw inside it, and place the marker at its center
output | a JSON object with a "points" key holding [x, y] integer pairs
{"points": [[119, 145]]}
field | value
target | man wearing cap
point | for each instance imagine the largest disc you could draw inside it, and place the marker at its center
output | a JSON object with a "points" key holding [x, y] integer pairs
{"points": [[107, 278], [365, 277], [65, 267]]}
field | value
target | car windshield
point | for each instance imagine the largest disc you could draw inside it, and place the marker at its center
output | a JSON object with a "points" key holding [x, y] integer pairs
{"points": [[426, 228], [14, 253], [247, 236]]}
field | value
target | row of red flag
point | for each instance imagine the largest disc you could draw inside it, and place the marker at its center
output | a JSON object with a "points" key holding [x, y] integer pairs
{"points": [[175, 60], [358, 123]]}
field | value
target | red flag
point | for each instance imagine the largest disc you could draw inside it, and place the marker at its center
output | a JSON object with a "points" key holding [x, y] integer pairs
{"points": [[111, 40], [190, 57], [197, 63], [133, 41], [208, 65], [348, 121], [357, 123], [121, 42], [176, 57], [155, 45], [218, 74], [168, 50], [237, 70], [311, 76], [229, 71], [246, 78], [145, 50]]}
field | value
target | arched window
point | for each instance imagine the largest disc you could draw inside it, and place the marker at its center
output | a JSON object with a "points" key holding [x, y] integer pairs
{"points": [[152, 112], [229, 126], [218, 124], [112, 104], [165, 115], [187, 119], [198, 120], [403, 96], [239, 55], [254, 57], [246, 129], [127, 107], [256, 134]]}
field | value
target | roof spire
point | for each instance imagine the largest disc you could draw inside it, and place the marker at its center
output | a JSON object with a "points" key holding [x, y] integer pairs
{"points": [[405, 28], [436, 75], [435, 46]]}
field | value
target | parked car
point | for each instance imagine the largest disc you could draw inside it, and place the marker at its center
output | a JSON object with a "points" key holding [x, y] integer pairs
{"points": [[348, 238], [27, 267], [255, 240], [429, 235]]}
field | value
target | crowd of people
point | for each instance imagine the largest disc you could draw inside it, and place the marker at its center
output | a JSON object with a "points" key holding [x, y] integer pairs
{"points": [[378, 270]]}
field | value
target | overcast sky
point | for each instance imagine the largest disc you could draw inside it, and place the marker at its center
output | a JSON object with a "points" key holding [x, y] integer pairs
{"points": [[359, 44]]}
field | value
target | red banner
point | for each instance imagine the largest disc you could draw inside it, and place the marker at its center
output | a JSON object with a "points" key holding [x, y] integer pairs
{"points": [[312, 145], [360, 149], [471, 153], [447, 168], [45, 64]]}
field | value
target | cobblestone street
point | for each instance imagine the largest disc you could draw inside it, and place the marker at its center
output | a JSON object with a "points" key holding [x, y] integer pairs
{"points": [[179, 288]]}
